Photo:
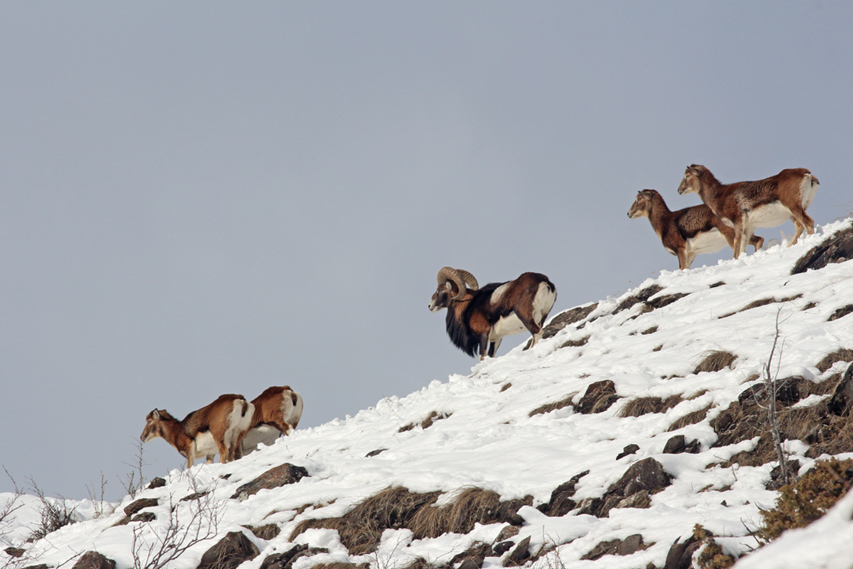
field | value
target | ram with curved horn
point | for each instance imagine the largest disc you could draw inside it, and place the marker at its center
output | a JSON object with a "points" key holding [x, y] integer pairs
{"points": [[479, 318]]}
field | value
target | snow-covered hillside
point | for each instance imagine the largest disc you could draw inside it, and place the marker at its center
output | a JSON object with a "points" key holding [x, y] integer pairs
{"points": [[523, 424]]}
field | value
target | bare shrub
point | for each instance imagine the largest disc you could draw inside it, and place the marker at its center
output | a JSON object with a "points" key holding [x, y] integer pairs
{"points": [[644, 405], [54, 514], [715, 361], [134, 481], [189, 523], [7, 509]]}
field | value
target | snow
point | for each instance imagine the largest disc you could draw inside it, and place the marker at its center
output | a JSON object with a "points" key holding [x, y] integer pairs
{"points": [[489, 439]]}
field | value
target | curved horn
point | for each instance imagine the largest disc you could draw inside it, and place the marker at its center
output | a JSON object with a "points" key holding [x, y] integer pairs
{"points": [[450, 274], [469, 279]]}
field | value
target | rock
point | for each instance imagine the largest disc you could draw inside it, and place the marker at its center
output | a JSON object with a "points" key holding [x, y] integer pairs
{"points": [[836, 249], [567, 317], [680, 555], [506, 533], [678, 445], [272, 478], [285, 560], [599, 397], [144, 517], [502, 547], [646, 475], [628, 450], [267, 532], [195, 496], [15, 552], [631, 544], [520, 554], [627, 546], [229, 552], [561, 502], [94, 560], [376, 452], [842, 398], [138, 505], [156, 483], [639, 499]]}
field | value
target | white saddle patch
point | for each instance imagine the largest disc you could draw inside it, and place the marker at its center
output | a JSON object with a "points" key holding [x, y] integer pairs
{"points": [[706, 242], [260, 435], [769, 215]]}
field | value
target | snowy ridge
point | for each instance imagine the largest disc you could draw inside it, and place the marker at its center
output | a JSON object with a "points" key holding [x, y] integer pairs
{"points": [[490, 439]]}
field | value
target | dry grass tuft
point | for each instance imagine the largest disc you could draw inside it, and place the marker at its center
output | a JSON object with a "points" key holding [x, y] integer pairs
{"points": [[361, 528], [548, 407], [645, 405], [472, 506], [575, 343], [426, 423], [690, 419], [762, 302], [829, 360], [715, 361], [641, 296]]}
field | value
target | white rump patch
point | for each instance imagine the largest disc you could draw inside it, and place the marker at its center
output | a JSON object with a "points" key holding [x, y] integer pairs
{"points": [[808, 191]]}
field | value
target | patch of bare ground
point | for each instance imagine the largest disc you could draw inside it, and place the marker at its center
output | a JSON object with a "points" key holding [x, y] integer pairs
{"points": [[426, 423], [644, 405], [762, 302], [829, 360], [715, 361]]}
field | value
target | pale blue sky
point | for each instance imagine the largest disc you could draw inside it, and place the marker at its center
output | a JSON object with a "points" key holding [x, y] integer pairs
{"points": [[206, 197]]}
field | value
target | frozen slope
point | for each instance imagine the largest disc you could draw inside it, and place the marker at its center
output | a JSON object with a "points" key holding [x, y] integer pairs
{"points": [[490, 438]]}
